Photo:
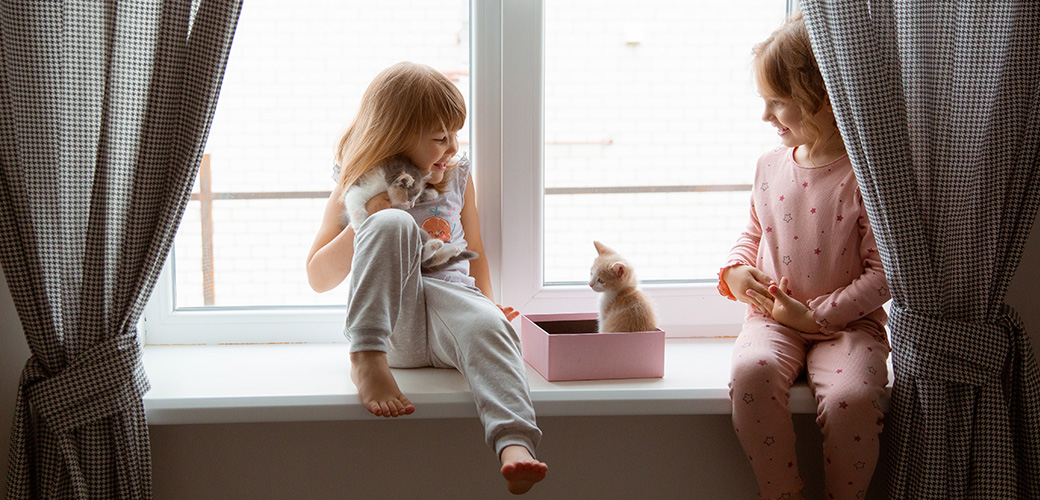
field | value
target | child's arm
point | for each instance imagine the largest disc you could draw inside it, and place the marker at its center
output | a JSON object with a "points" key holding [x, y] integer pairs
{"points": [[739, 279], [865, 294], [478, 267], [328, 262]]}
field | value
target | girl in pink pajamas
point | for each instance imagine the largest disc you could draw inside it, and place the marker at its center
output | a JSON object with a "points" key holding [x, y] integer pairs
{"points": [[808, 268]]}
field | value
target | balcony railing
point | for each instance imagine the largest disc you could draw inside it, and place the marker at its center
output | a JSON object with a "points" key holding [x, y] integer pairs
{"points": [[206, 197]]}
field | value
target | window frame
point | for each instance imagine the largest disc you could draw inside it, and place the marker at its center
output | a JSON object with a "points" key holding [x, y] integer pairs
{"points": [[506, 58], [686, 310]]}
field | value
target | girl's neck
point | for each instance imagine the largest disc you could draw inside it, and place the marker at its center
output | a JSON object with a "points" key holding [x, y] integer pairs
{"points": [[825, 152]]}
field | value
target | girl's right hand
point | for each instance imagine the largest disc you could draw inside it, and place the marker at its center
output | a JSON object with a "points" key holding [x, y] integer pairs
{"points": [[378, 202], [750, 285]]}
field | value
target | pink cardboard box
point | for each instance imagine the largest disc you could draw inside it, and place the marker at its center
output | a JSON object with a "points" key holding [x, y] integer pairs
{"points": [[567, 346]]}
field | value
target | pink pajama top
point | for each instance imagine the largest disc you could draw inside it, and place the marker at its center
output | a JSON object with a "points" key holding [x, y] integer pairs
{"points": [[810, 225]]}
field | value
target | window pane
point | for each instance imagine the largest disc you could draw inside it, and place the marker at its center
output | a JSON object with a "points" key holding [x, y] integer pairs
{"points": [[294, 78], [652, 131]]}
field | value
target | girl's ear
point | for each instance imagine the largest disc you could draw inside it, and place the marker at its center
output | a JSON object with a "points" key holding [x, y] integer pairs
{"points": [[830, 109]]}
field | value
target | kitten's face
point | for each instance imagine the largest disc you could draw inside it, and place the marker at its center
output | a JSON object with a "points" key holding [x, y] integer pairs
{"points": [[406, 183], [405, 190], [610, 271]]}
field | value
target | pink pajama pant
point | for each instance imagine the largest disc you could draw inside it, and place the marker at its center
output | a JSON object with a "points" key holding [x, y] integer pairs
{"points": [[847, 373]]}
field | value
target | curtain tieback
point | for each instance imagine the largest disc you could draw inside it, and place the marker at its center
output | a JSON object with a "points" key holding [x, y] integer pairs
{"points": [[937, 348], [93, 386]]}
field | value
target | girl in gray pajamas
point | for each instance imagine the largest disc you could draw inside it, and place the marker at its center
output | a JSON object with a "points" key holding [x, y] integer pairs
{"points": [[398, 317]]}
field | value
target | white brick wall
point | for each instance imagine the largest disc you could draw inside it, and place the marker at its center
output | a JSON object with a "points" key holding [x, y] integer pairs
{"points": [[665, 80], [668, 83]]}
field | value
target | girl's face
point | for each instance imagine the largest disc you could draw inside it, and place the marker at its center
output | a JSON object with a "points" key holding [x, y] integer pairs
{"points": [[433, 151], [785, 115]]}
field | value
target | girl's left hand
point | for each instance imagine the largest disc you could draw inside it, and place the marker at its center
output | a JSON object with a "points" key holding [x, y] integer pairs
{"points": [[510, 313], [790, 312]]}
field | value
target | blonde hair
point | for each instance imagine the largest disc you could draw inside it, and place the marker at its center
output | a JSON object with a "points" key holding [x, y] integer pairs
{"points": [[784, 64], [402, 103]]}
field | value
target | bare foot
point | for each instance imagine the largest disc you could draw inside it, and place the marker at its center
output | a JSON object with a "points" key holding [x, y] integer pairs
{"points": [[520, 469], [376, 385]]}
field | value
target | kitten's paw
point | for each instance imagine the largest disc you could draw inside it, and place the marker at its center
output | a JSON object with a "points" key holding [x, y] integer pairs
{"points": [[355, 217], [429, 194], [443, 254], [446, 254], [430, 249]]}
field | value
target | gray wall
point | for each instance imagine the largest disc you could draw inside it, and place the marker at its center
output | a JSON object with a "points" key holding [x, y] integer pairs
{"points": [[590, 457]]}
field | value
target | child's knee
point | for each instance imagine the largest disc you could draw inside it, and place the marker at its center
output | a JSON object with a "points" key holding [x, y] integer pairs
{"points": [[752, 369], [493, 330], [848, 406], [389, 219], [755, 379]]}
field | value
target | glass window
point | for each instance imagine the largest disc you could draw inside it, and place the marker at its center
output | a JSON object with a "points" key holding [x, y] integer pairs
{"points": [[635, 124], [294, 78], [652, 131]]}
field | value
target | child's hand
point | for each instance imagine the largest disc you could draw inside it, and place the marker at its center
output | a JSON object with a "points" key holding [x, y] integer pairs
{"points": [[509, 312], [789, 312], [378, 202], [750, 285]]}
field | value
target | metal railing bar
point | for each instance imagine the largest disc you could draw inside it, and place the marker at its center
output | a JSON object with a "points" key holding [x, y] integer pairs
{"points": [[285, 195], [266, 195], [711, 188], [206, 210]]}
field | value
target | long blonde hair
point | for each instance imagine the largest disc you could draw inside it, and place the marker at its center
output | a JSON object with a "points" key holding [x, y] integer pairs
{"points": [[784, 64], [401, 104]]}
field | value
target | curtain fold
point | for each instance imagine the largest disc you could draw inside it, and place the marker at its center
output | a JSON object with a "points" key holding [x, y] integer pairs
{"points": [[939, 106], [104, 111]]}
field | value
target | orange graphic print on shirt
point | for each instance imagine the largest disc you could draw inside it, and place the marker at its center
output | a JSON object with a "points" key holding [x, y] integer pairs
{"points": [[437, 228]]}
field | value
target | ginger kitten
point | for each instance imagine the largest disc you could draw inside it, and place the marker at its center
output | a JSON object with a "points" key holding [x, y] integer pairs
{"points": [[622, 308]]}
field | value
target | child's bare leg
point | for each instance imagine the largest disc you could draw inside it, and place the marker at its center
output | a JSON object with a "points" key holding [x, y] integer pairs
{"points": [[520, 469], [376, 385]]}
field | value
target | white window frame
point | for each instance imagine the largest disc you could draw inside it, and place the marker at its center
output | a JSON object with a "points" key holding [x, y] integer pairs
{"points": [[507, 53], [694, 309]]}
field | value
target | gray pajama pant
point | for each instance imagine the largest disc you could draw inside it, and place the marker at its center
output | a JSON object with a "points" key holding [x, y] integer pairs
{"points": [[421, 322]]}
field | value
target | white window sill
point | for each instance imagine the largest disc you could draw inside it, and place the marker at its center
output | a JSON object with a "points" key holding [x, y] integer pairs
{"points": [[197, 384]]}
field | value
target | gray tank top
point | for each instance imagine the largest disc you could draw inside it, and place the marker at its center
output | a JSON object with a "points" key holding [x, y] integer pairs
{"points": [[442, 219]]}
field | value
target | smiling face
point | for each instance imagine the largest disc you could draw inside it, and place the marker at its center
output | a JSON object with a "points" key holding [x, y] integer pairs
{"points": [[433, 151], [796, 103], [785, 115], [819, 134]]}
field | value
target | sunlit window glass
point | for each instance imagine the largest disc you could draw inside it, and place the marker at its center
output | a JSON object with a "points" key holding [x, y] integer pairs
{"points": [[652, 130], [294, 77]]}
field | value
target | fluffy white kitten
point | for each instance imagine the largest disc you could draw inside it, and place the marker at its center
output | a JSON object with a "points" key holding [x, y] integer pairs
{"points": [[406, 185]]}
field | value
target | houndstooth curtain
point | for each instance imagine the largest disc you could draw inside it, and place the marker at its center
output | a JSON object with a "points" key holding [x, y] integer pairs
{"points": [[104, 111], [939, 105]]}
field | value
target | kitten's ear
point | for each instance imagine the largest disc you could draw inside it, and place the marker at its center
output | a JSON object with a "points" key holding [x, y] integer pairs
{"points": [[404, 180], [602, 249], [618, 268]]}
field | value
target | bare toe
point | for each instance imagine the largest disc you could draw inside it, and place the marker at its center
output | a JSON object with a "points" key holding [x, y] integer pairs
{"points": [[521, 476], [376, 385], [521, 469]]}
